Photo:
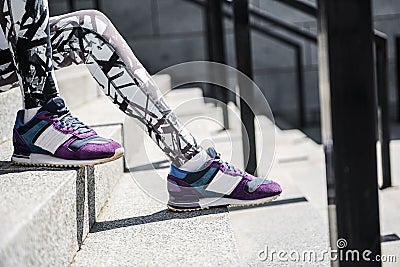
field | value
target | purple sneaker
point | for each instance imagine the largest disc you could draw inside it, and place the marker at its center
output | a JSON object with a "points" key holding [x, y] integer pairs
{"points": [[220, 184], [53, 137]]}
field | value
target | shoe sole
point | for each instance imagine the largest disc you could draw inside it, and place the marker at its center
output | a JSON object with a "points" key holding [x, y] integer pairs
{"points": [[41, 160], [223, 202]]}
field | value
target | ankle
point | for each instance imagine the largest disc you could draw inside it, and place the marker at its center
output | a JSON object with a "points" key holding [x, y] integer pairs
{"points": [[196, 163], [30, 113]]}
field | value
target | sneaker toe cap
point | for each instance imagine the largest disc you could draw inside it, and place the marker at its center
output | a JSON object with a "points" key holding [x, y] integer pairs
{"points": [[269, 188], [94, 150]]}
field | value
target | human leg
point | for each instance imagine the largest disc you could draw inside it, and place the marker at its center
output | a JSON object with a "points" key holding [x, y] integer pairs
{"points": [[89, 37], [45, 132], [26, 28]]}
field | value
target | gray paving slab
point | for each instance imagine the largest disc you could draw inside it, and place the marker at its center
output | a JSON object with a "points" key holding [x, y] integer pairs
{"points": [[280, 227], [134, 230], [389, 202], [290, 223], [76, 81], [10, 103]]}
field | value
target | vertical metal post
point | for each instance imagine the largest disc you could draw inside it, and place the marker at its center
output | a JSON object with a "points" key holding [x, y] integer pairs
{"points": [[398, 75], [71, 5], [209, 89], [216, 50], [348, 106], [300, 87], [383, 108], [97, 5], [244, 64]]}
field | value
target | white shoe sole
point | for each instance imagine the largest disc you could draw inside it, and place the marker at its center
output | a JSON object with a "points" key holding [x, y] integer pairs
{"points": [[50, 161], [207, 203]]}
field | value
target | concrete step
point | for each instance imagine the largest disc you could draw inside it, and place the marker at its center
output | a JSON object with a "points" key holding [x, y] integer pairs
{"points": [[46, 212], [10, 103], [304, 161], [135, 230], [291, 222], [163, 82], [389, 202], [134, 225], [77, 80], [76, 85], [73, 81]]}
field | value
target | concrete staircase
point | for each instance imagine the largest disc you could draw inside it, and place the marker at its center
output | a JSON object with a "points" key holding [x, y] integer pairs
{"points": [[80, 217], [99, 217], [135, 229]]}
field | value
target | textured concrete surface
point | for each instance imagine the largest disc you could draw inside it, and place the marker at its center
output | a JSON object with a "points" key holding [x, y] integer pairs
{"points": [[389, 200], [134, 230], [290, 223], [76, 80], [287, 227], [390, 217], [10, 103], [163, 82], [38, 213]]}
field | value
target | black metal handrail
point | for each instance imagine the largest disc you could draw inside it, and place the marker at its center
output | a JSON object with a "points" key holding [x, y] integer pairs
{"points": [[381, 69], [381, 87], [285, 40], [259, 14], [301, 6], [216, 52], [72, 6], [397, 45]]}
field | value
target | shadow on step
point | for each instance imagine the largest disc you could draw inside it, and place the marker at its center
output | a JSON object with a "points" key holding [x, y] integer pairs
{"points": [[274, 203], [6, 167], [163, 215], [163, 164]]}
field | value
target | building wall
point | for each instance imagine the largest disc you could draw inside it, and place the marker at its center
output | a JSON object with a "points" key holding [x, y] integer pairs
{"points": [[166, 32]]}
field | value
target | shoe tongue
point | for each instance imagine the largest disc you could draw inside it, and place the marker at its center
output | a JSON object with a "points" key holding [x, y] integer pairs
{"points": [[212, 153], [55, 105]]}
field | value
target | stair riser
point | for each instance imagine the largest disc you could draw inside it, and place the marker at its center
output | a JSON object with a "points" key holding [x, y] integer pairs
{"points": [[10, 103], [76, 85]]}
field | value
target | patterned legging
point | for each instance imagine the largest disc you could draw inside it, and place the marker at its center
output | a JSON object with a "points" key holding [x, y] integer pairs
{"points": [[88, 37]]}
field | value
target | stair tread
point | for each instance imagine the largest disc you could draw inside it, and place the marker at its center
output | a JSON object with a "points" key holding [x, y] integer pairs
{"points": [[135, 230], [133, 226]]}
